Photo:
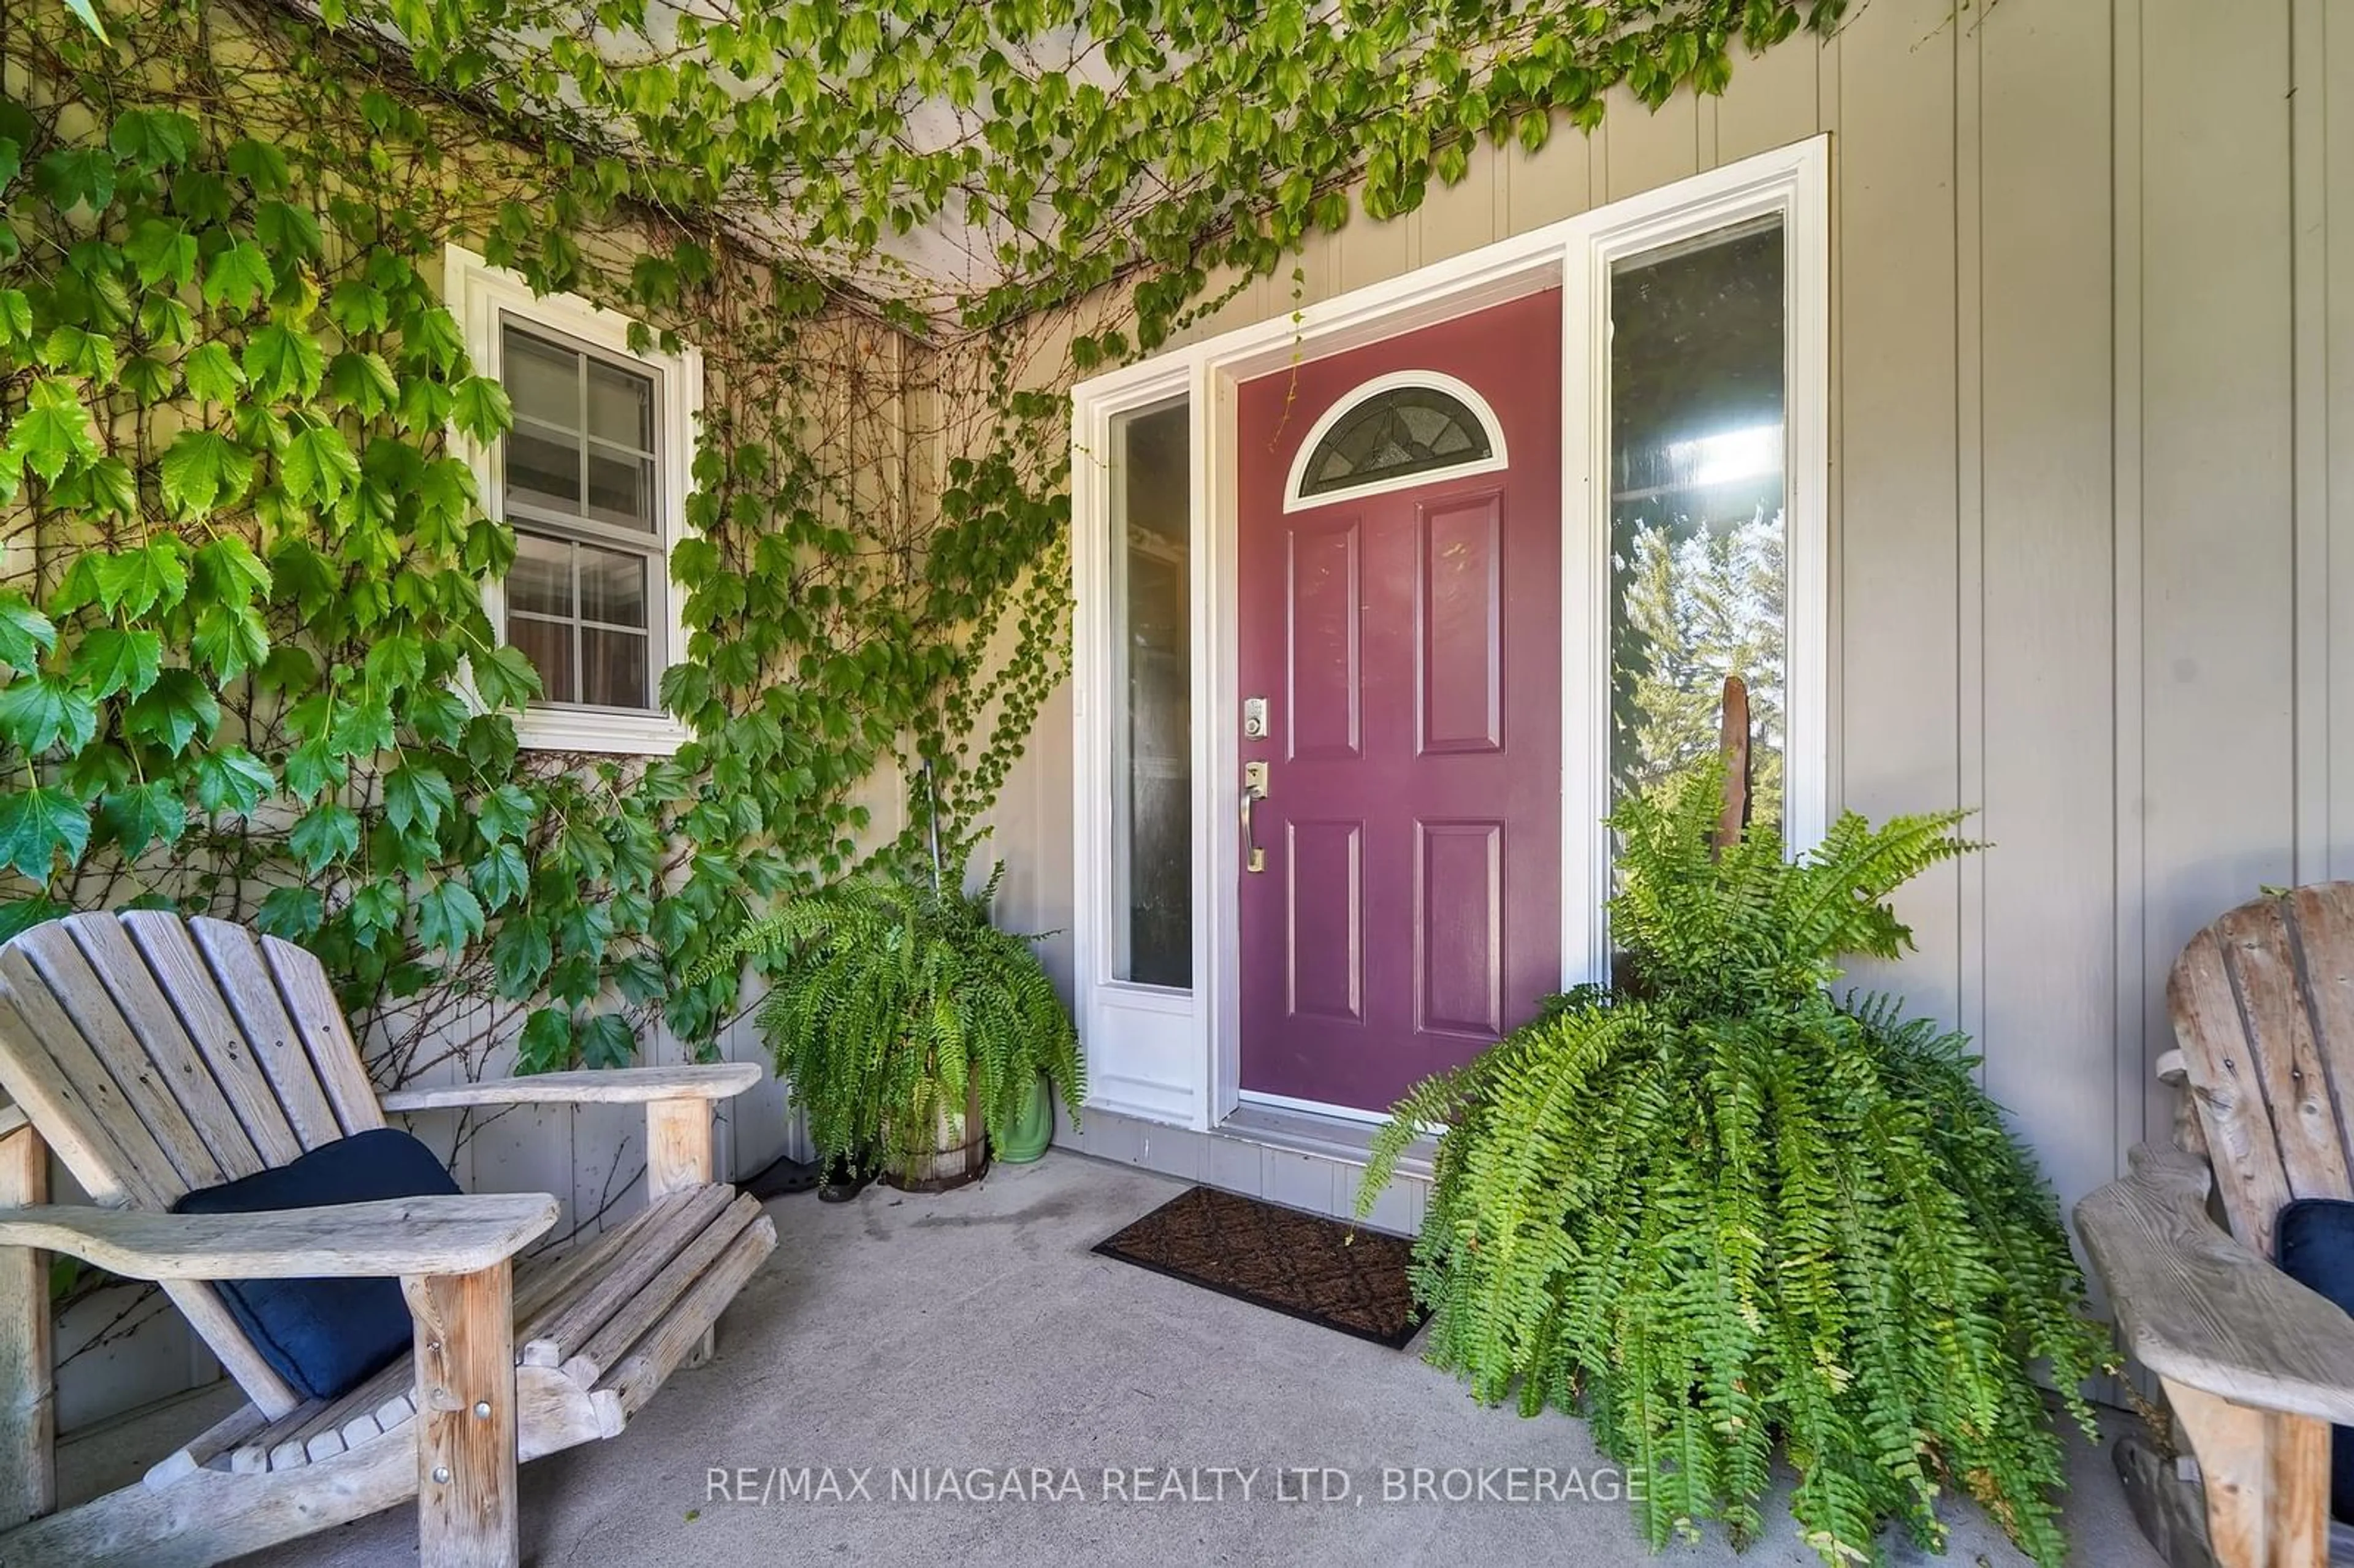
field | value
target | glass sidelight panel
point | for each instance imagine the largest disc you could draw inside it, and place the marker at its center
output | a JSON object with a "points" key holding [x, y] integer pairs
{"points": [[1152, 772], [1698, 540]]}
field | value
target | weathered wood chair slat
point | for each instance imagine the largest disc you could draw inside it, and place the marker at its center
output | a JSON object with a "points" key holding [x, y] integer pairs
{"points": [[2254, 1366], [234, 967], [154, 1055]]}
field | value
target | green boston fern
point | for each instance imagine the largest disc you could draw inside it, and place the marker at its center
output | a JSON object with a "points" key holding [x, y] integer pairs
{"points": [[890, 1002], [1724, 1214]]}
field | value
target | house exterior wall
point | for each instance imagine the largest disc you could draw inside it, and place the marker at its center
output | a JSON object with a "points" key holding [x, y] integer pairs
{"points": [[2093, 373], [122, 1347]]}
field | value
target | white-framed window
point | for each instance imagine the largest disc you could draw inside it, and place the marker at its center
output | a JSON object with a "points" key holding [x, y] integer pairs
{"points": [[593, 479]]}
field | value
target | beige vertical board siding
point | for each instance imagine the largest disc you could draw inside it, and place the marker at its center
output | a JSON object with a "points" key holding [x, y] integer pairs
{"points": [[2309, 107], [2331, 143], [2216, 503], [1897, 640], [2048, 1018], [1370, 252], [1463, 216], [1554, 182], [1769, 103], [1645, 148]]}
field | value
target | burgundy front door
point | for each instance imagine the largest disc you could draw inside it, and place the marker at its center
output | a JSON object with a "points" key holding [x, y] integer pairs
{"points": [[1407, 647]]}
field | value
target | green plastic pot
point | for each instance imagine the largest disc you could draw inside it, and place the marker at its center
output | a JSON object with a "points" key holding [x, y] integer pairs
{"points": [[1033, 1126]]}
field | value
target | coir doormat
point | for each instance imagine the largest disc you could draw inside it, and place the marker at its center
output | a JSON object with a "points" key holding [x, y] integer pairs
{"points": [[1301, 1265]]}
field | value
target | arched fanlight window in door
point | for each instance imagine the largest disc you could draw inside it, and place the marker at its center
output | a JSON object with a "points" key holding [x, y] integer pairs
{"points": [[1394, 430]]}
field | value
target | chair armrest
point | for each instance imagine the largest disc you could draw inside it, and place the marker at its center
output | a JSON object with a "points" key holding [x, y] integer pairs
{"points": [[618, 1086], [2200, 1308], [455, 1235]]}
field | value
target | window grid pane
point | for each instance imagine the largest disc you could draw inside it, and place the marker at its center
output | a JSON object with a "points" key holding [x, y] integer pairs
{"points": [[1395, 434], [581, 452], [581, 613]]}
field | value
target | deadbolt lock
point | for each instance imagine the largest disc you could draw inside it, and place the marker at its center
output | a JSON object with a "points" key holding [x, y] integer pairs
{"points": [[1254, 718]]}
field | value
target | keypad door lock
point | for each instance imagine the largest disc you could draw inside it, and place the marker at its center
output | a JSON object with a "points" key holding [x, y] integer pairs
{"points": [[1254, 718]]}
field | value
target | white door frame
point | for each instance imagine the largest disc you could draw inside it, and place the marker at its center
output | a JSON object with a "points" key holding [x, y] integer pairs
{"points": [[1174, 1056]]}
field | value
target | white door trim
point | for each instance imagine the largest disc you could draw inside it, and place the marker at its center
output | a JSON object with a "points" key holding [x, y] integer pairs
{"points": [[1175, 1056]]}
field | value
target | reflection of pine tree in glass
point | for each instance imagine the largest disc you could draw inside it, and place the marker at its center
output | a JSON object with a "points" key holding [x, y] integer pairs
{"points": [[1696, 600]]}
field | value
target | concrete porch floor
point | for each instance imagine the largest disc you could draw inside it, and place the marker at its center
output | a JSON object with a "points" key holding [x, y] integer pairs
{"points": [[976, 1330]]}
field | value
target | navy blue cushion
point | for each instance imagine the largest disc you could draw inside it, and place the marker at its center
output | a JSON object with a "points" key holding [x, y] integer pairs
{"points": [[2315, 1244], [325, 1336]]}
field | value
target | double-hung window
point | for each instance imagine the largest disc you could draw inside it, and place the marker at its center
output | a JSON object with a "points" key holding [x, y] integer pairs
{"points": [[592, 479]]}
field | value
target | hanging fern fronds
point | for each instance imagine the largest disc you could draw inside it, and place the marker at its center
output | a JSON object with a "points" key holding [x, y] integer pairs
{"points": [[1722, 1213], [889, 1000]]}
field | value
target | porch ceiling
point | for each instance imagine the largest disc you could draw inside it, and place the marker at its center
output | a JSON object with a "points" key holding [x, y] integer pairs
{"points": [[933, 154]]}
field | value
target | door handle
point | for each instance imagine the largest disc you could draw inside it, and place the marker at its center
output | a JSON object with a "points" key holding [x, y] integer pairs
{"points": [[1254, 789]]}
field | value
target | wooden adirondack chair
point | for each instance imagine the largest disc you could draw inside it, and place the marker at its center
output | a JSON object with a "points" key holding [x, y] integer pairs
{"points": [[2256, 1366], [156, 1054]]}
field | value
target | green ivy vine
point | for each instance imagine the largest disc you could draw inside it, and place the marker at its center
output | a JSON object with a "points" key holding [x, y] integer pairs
{"points": [[247, 666]]}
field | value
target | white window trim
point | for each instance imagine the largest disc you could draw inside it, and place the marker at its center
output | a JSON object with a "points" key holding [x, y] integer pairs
{"points": [[1174, 1056], [1496, 462], [481, 295]]}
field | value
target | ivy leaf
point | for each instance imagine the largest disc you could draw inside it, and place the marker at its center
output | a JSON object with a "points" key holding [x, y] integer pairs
{"points": [[39, 711], [608, 1041], [431, 337], [164, 253], [363, 381], [395, 662], [81, 352], [204, 470], [144, 814], [53, 430], [231, 639], [502, 877], [506, 812], [357, 307], [147, 378], [114, 660], [239, 276], [318, 464], [77, 177], [15, 317], [503, 677], [232, 780], [417, 796], [545, 1043], [377, 909], [153, 138], [639, 978], [177, 709], [363, 729], [449, 916], [282, 362], [314, 767], [25, 633], [107, 486], [481, 408], [34, 824], [259, 165], [286, 229], [325, 832], [134, 582], [293, 913], [229, 570], [212, 374]]}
